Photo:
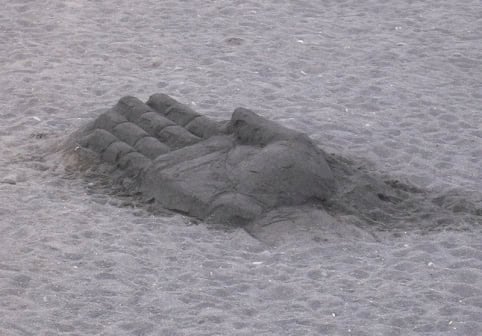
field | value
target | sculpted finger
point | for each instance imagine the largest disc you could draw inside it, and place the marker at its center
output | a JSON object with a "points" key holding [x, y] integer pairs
{"points": [[285, 173], [115, 152], [134, 110], [252, 129], [184, 116], [204, 127], [179, 113], [142, 121], [97, 140], [116, 122], [158, 125]]}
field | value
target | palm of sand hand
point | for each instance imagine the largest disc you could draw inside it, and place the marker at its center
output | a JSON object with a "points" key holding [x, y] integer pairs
{"points": [[229, 172]]}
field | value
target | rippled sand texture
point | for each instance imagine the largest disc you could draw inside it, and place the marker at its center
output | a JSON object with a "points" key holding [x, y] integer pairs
{"points": [[395, 86]]}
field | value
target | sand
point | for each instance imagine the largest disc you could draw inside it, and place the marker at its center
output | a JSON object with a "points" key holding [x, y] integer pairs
{"points": [[393, 87]]}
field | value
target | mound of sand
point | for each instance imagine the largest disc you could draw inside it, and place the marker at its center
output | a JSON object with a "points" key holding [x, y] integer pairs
{"points": [[182, 161]]}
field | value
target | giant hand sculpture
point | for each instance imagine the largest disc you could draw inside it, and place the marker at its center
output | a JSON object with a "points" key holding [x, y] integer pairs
{"points": [[231, 172]]}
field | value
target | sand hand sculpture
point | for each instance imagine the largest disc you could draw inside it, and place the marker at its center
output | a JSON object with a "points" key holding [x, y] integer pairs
{"points": [[227, 172]]}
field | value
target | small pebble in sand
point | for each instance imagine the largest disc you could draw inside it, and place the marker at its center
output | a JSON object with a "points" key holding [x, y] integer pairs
{"points": [[9, 179]]}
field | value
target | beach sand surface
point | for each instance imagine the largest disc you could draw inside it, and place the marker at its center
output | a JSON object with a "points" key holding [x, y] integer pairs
{"points": [[391, 88]]}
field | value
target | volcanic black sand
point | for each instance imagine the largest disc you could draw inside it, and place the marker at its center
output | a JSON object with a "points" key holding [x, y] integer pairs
{"points": [[390, 91]]}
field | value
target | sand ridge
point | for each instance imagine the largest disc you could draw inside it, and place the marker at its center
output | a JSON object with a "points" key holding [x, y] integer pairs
{"points": [[392, 86]]}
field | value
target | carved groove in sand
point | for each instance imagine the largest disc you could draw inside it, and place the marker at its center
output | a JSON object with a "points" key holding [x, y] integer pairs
{"points": [[232, 172]]}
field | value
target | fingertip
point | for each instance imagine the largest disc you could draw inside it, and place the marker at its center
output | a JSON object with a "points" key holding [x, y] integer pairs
{"points": [[161, 102]]}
